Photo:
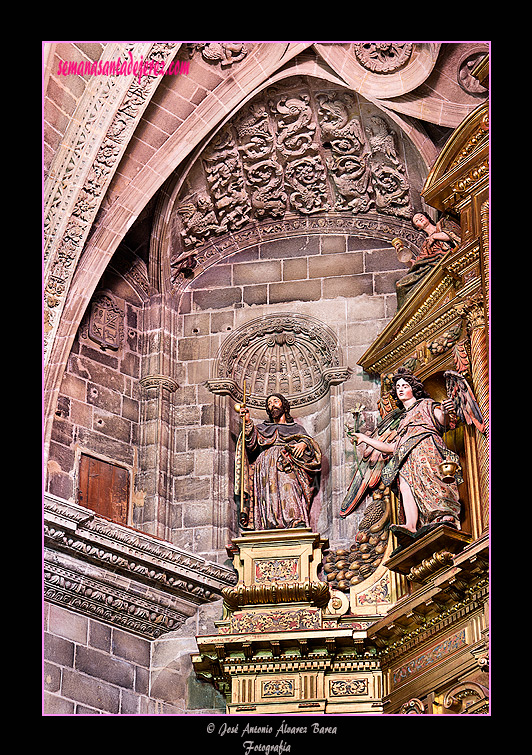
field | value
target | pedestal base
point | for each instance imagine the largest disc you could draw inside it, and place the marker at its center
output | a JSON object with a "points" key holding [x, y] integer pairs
{"points": [[274, 652]]}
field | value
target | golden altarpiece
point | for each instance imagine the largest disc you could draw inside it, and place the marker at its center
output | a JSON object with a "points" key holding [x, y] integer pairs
{"points": [[413, 637]]}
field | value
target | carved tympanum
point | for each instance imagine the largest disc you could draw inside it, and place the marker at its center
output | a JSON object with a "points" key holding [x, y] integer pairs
{"points": [[293, 151]]}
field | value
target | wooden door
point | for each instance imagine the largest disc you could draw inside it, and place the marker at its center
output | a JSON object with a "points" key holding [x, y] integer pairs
{"points": [[104, 488]]}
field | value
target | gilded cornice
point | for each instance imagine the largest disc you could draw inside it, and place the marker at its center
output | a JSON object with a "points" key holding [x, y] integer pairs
{"points": [[475, 141], [415, 620], [471, 135], [295, 650], [462, 163], [418, 629], [447, 597], [428, 313]]}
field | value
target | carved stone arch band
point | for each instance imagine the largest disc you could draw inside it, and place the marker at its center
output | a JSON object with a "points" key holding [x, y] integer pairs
{"points": [[293, 354]]}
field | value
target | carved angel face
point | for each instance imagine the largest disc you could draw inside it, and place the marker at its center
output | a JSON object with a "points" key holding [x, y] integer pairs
{"points": [[420, 221], [403, 390]]}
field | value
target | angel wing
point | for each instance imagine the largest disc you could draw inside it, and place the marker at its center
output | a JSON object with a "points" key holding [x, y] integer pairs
{"points": [[465, 405], [368, 473]]}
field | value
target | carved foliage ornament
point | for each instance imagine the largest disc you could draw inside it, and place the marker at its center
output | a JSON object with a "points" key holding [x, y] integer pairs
{"points": [[99, 599], [301, 152], [468, 698], [348, 687]]}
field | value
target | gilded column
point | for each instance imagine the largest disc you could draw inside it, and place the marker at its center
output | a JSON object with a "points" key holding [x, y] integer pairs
{"points": [[474, 311]]}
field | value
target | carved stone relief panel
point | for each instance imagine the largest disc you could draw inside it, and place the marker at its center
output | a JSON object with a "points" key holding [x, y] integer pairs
{"points": [[264, 173], [106, 322], [348, 162], [297, 149], [225, 181], [295, 123], [382, 57]]}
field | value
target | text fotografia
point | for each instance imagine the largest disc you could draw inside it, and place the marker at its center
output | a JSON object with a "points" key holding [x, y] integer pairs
{"points": [[137, 68], [251, 746]]}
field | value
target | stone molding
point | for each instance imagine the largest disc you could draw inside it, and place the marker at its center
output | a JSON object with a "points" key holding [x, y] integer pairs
{"points": [[132, 573], [105, 596], [364, 225], [75, 198]]}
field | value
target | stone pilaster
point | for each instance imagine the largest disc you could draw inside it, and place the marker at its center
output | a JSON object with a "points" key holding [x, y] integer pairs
{"points": [[153, 485]]}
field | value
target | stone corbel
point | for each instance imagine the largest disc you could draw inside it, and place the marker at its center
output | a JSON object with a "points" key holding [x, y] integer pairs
{"points": [[412, 707], [467, 698]]}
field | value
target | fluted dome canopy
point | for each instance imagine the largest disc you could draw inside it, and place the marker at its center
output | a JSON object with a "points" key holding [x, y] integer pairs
{"points": [[295, 355]]}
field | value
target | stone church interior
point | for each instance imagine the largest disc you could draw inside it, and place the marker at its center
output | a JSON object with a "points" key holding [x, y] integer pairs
{"points": [[266, 456]]}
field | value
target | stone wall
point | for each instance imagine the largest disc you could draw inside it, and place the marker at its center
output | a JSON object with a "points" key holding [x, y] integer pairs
{"points": [[98, 408], [179, 444], [91, 668], [345, 282]]}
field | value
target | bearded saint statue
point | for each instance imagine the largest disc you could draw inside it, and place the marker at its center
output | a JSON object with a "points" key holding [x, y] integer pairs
{"points": [[278, 477]]}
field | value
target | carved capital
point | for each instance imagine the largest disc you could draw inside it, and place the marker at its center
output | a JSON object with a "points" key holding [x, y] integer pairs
{"points": [[149, 382], [473, 310]]}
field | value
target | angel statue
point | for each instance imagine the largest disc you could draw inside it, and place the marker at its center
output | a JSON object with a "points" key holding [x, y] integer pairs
{"points": [[440, 238], [407, 450]]}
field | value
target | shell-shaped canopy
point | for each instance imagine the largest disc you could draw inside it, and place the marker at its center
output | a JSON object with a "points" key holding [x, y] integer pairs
{"points": [[295, 355]]}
